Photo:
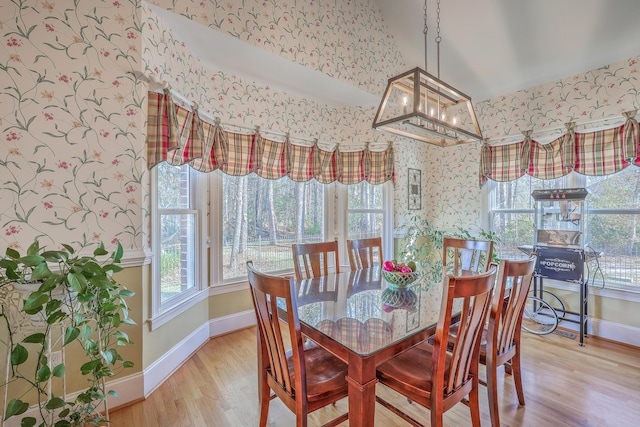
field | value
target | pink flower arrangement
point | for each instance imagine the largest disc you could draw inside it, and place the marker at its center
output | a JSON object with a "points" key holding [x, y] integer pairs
{"points": [[399, 268]]}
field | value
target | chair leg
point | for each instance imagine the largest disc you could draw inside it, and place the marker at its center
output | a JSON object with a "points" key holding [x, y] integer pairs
{"points": [[517, 377], [492, 392], [264, 400], [436, 416], [474, 406]]}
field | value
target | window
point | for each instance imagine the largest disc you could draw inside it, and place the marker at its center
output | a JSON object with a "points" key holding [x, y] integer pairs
{"points": [[365, 211], [176, 242], [612, 222], [262, 218]]}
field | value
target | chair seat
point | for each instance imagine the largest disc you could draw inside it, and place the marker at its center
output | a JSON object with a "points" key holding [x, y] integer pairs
{"points": [[413, 369], [326, 374]]}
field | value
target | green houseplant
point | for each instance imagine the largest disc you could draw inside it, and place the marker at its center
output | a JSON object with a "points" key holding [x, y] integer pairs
{"points": [[72, 300], [423, 242]]}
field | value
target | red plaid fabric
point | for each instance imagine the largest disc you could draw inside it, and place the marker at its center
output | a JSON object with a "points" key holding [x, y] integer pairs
{"points": [[375, 334], [272, 159], [631, 135], [379, 166], [350, 167], [157, 129], [240, 154], [349, 332], [177, 135], [301, 157], [601, 152], [546, 160], [215, 149], [324, 167], [504, 161], [569, 148]]}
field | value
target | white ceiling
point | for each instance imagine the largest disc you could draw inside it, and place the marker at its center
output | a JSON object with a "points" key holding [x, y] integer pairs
{"points": [[488, 48], [494, 47]]}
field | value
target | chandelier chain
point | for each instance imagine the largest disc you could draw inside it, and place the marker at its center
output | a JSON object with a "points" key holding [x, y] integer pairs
{"points": [[425, 31]]}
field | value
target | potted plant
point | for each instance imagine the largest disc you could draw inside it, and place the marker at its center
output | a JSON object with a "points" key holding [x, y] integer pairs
{"points": [[78, 296], [422, 244]]}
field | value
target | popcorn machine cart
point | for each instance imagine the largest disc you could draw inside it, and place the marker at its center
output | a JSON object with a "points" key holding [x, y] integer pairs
{"points": [[559, 245]]}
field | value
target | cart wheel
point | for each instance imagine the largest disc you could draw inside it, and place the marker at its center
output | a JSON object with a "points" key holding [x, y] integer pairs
{"points": [[539, 317]]}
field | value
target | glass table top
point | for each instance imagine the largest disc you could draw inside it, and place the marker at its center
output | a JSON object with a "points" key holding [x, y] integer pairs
{"points": [[363, 312]]}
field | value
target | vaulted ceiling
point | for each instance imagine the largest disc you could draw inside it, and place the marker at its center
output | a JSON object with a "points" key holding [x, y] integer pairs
{"points": [[494, 47], [488, 47]]}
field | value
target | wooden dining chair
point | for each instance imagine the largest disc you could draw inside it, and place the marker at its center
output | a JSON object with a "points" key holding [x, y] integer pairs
{"points": [[501, 343], [304, 376], [435, 376], [313, 259], [469, 256], [364, 252]]}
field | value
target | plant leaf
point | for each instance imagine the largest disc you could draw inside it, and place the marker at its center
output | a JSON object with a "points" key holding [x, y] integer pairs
{"points": [[54, 403], [37, 338], [43, 374], [19, 355], [34, 248], [35, 301], [31, 260], [16, 407], [28, 422], [70, 334], [58, 371]]}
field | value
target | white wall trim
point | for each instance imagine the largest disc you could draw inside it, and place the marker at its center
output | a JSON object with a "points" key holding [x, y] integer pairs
{"points": [[135, 258], [180, 307], [156, 373], [614, 293], [227, 287], [232, 322], [612, 331]]}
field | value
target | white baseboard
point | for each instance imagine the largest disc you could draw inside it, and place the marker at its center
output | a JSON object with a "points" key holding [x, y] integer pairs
{"points": [[613, 331], [156, 373], [233, 322]]}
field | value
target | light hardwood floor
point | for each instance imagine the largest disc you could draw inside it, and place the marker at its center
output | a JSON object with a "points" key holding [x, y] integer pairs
{"points": [[564, 384]]}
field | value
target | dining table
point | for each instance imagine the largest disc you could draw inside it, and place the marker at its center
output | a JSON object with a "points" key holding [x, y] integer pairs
{"points": [[364, 320]]}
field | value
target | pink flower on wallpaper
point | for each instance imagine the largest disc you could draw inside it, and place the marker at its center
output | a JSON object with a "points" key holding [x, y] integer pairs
{"points": [[103, 214], [114, 241], [201, 4], [115, 162], [13, 42], [64, 78], [131, 112], [48, 116], [116, 3], [633, 62], [105, 53], [63, 165], [47, 205], [13, 136], [130, 189], [13, 229], [104, 133], [49, 27], [132, 35], [116, 83]]}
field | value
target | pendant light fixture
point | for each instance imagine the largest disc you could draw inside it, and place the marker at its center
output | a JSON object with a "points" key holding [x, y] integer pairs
{"points": [[420, 106]]}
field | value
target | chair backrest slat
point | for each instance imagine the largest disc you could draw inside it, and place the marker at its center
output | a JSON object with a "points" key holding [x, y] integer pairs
{"points": [[474, 295], [468, 255], [312, 259], [512, 288], [363, 252], [266, 291]]}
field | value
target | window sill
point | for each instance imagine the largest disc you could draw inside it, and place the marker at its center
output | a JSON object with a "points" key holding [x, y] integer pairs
{"points": [[176, 309]]}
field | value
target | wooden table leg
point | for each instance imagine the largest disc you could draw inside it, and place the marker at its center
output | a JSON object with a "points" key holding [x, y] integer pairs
{"points": [[362, 391]]}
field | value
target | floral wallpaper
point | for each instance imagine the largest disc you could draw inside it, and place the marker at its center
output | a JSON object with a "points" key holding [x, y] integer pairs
{"points": [[327, 36], [71, 120], [596, 94]]}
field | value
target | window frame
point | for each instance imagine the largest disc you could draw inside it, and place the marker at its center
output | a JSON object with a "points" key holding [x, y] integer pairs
{"points": [[573, 180], [162, 312]]}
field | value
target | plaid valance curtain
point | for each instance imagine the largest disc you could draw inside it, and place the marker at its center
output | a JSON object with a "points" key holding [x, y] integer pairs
{"points": [[595, 153], [177, 136]]}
